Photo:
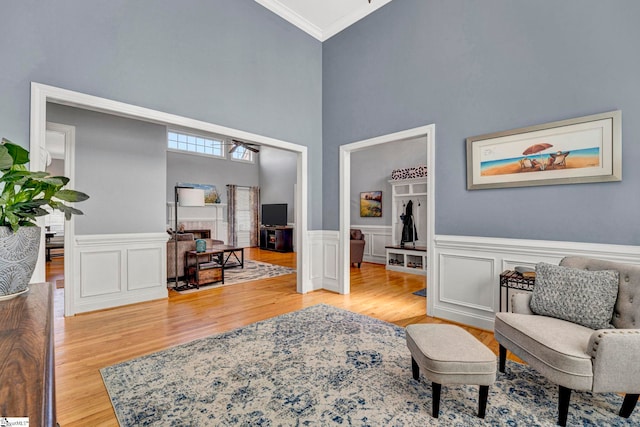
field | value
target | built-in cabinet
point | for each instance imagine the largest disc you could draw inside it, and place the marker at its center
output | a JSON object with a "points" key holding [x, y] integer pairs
{"points": [[412, 257], [412, 260]]}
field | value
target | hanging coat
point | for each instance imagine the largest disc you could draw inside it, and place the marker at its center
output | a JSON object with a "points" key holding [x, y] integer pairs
{"points": [[409, 232]]}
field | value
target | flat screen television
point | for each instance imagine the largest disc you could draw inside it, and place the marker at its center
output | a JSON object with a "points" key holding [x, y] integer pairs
{"points": [[274, 214]]}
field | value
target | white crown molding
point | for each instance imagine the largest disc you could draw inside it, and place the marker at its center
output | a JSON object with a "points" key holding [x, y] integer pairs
{"points": [[289, 15], [352, 18], [322, 34]]}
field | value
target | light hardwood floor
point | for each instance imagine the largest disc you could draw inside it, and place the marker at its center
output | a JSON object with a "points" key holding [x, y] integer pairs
{"points": [[87, 342]]}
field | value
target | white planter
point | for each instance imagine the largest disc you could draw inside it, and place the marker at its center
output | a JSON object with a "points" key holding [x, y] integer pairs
{"points": [[18, 256]]}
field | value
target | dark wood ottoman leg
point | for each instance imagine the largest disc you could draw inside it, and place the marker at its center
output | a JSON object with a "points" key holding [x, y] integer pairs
{"points": [[482, 400], [415, 369], [435, 411]]}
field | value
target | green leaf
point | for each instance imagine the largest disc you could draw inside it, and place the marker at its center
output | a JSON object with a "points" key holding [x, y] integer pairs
{"points": [[20, 155], [64, 179], [6, 161], [68, 211], [71, 196]]}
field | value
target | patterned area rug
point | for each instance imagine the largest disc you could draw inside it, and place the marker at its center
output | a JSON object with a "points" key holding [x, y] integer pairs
{"points": [[324, 366], [253, 270]]}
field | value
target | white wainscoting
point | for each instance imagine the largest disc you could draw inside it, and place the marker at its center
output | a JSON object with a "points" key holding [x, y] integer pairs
{"points": [[376, 238], [118, 269], [324, 251], [465, 275]]}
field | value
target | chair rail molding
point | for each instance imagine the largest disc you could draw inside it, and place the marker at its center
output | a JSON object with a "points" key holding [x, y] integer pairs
{"points": [[466, 269]]}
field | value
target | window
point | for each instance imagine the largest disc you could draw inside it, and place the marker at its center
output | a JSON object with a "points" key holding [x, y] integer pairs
{"points": [[241, 153], [195, 144]]}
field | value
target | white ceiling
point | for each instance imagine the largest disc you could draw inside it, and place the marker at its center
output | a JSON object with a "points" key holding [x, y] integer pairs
{"points": [[322, 18]]}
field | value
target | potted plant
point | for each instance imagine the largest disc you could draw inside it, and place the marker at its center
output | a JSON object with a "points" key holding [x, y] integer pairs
{"points": [[24, 195]]}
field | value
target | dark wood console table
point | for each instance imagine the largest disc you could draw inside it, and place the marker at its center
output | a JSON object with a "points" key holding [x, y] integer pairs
{"points": [[27, 369]]}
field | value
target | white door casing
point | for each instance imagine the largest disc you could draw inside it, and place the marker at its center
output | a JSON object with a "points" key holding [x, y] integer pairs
{"points": [[41, 94]]}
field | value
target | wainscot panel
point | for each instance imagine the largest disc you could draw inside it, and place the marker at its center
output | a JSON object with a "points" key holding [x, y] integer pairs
{"points": [[118, 269], [465, 283], [324, 259], [315, 242]]}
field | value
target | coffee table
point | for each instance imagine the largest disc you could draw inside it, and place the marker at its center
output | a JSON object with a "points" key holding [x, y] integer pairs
{"points": [[232, 256]]}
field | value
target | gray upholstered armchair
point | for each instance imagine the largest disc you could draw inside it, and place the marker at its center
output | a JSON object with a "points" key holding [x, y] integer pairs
{"points": [[577, 357], [357, 246]]}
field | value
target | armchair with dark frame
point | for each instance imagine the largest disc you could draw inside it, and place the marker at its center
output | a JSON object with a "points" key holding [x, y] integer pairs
{"points": [[590, 342], [357, 243]]}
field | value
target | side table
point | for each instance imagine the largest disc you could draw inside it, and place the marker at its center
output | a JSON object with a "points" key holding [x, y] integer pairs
{"points": [[510, 279], [208, 267]]}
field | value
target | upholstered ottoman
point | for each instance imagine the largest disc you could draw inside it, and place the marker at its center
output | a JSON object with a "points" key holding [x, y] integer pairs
{"points": [[448, 354]]}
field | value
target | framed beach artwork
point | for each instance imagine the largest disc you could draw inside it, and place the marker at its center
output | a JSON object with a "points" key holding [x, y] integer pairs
{"points": [[371, 204], [580, 150]]}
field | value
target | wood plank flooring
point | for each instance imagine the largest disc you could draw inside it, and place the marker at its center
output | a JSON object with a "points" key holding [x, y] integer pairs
{"points": [[87, 342]]}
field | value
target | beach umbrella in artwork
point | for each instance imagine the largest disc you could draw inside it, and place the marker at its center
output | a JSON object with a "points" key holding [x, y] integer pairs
{"points": [[537, 148]]}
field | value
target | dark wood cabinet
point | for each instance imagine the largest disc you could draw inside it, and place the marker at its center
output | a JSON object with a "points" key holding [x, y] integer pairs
{"points": [[27, 369], [276, 239]]}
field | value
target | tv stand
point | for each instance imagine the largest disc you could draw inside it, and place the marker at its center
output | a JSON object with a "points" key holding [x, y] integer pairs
{"points": [[278, 238]]}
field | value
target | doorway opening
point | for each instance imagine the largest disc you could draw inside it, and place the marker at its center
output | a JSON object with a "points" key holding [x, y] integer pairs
{"points": [[428, 132], [42, 94]]}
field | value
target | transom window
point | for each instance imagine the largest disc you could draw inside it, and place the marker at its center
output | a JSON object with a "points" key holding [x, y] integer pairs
{"points": [[241, 153], [195, 144]]}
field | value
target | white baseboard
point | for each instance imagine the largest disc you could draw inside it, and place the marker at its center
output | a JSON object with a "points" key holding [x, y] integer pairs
{"points": [[117, 269], [465, 275]]}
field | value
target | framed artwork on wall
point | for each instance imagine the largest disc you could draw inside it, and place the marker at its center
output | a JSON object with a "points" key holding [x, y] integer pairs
{"points": [[211, 194], [371, 204], [580, 150]]}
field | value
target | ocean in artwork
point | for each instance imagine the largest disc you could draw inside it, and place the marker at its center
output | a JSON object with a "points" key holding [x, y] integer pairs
{"points": [[554, 160]]}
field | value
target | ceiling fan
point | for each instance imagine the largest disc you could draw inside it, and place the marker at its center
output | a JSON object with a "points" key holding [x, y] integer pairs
{"points": [[247, 145]]}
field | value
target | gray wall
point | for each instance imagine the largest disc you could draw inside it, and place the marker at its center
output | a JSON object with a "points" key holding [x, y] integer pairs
{"points": [[194, 169], [371, 171], [278, 176], [229, 62], [120, 163], [475, 67]]}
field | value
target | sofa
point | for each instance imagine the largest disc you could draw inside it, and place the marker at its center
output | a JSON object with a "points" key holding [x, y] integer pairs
{"points": [[580, 328], [186, 242]]}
